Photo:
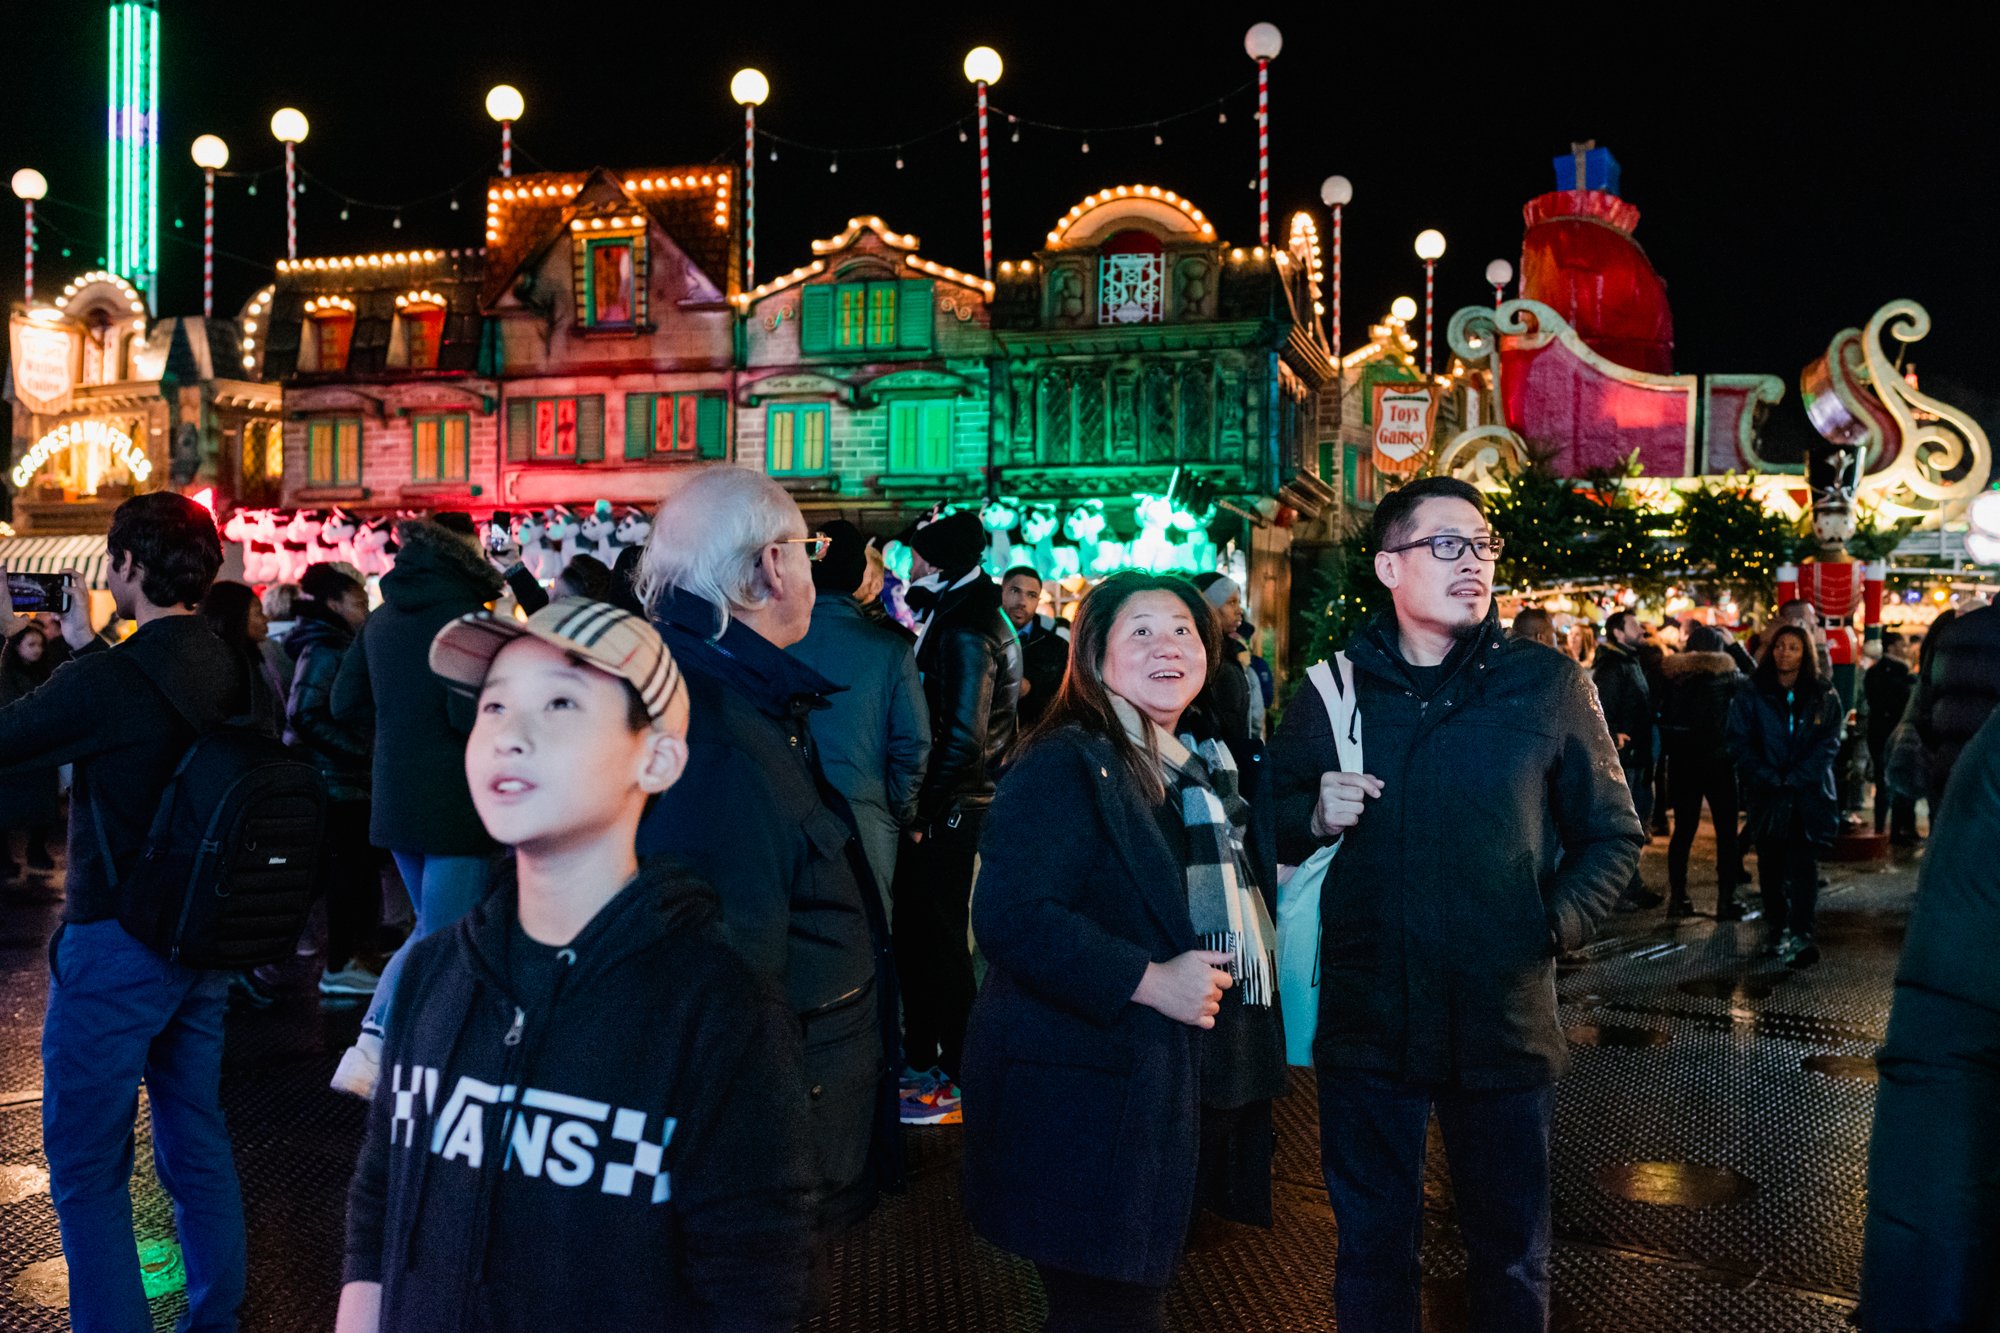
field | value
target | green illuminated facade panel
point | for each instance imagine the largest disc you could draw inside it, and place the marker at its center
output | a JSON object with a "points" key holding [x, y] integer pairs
{"points": [[132, 141]]}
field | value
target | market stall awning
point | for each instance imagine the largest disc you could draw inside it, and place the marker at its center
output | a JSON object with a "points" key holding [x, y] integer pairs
{"points": [[52, 555]]}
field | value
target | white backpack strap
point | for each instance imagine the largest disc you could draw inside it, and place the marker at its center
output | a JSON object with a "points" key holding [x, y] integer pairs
{"points": [[1336, 692]]}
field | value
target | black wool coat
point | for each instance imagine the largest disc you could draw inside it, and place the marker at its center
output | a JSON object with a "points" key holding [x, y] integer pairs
{"points": [[1694, 715], [1787, 768], [1959, 689], [1504, 834], [1082, 1108]]}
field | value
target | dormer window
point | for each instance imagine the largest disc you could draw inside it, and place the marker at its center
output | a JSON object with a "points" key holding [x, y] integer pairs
{"points": [[607, 281], [1131, 282], [330, 324], [609, 258], [421, 315]]}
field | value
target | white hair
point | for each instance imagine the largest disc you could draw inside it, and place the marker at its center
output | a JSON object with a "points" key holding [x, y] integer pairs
{"points": [[708, 533]]}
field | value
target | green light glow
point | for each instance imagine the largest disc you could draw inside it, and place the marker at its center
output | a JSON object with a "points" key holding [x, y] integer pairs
{"points": [[132, 137], [160, 1268]]}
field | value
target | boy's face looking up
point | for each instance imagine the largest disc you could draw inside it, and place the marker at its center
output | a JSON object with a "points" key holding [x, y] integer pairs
{"points": [[554, 761]]}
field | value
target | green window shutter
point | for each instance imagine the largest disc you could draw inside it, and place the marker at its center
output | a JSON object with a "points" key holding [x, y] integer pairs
{"points": [[781, 426], [913, 314], [816, 319], [851, 319], [936, 444], [638, 426], [903, 437], [590, 429], [520, 429], [881, 314], [711, 438]]}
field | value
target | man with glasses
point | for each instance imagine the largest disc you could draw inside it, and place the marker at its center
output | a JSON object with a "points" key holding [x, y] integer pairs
{"points": [[1491, 832]]}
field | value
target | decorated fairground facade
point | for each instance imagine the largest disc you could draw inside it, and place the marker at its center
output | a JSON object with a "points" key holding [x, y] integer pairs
{"points": [[865, 379], [108, 403]]}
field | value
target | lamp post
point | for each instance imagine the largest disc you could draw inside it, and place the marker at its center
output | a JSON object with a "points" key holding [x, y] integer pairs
{"points": [[1499, 273], [1262, 43], [1430, 246], [1336, 192], [29, 185], [289, 127], [211, 155], [750, 88], [982, 69], [504, 104]]}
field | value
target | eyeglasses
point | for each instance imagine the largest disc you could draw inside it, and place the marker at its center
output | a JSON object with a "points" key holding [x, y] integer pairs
{"points": [[815, 545], [1452, 548]]}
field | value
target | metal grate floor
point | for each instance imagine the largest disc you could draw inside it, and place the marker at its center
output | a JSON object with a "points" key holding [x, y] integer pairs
{"points": [[1713, 1060]]}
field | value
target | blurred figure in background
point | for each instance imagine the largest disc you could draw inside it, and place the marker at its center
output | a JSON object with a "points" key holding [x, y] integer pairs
{"points": [[234, 615], [1887, 688], [1694, 726], [1535, 625], [28, 801], [1044, 642]]}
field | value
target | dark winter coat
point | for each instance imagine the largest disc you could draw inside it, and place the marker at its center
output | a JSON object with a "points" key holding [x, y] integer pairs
{"points": [[1044, 662], [28, 799], [1886, 687], [386, 685], [649, 1177], [1627, 701], [1694, 716], [970, 661], [874, 736], [1784, 754], [753, 816], [1082, 1107], [1960, 686], [124, 716], [1504, 834], [318, 644]]}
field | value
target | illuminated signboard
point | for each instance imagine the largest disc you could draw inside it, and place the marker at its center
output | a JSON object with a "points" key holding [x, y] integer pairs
{"points": [[94, 435]]}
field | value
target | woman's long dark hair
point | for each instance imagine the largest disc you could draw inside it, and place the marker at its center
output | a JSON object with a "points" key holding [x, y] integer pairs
{"points": [[226, 608], [1083, 700], [36, 671], [1808, 682]]}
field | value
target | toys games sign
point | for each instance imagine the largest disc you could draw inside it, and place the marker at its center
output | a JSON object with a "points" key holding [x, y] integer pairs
{"points": [[1403, 415]]}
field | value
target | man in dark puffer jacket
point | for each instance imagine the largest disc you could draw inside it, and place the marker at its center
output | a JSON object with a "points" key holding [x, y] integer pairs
{"points": [[1959, 687]]}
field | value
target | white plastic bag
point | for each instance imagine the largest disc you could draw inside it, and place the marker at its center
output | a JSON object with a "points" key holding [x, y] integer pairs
{"points": [[1299, 893]]}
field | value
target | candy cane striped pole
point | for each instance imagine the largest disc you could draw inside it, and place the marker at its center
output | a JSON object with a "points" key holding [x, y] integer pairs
{"points": [[506, 148], [1264, 151], [291, 200], [985, 187], [208, 244], [1430, 308], [28, 260], [749, 194], [1337, 208]]}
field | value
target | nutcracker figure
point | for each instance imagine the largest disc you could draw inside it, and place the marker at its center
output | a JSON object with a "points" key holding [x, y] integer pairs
{"points": [[1835, 582]]}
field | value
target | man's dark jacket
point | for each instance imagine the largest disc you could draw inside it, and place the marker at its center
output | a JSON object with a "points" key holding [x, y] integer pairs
{"points": [[422, 803], [1627, 701], [970, 660], [1960, 686], [318, 644], [1694, 715], [1886, 686], [124, 716], [1044, 661], [754, 817], [1504, 834], [645, 1174]]}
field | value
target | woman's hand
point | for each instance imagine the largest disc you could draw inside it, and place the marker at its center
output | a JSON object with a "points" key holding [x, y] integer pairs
{"points": [[1187, 989]]}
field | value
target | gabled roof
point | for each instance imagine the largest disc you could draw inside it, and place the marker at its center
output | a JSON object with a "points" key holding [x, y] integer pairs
{"points": [[527, 214], [869, 236], [371, 284]]}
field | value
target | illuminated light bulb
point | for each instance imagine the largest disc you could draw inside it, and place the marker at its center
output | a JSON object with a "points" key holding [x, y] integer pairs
{"points": [[1403, 308], [210, 153], [749, 87], [504, 102], [289, 125], [1430, 245], [982, 65]]}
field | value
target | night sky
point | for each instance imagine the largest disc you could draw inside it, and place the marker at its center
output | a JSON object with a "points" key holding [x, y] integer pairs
{"points": [[1789, 183]]}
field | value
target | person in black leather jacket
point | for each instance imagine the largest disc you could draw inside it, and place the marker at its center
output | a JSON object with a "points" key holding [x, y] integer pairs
{"points": [[970, 661]]}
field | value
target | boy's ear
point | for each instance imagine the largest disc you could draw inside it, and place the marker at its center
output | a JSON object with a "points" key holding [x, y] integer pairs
{"points": [[662, 761]]}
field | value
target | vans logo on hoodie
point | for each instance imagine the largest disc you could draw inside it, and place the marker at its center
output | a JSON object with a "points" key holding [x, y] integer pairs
{"points": [[547, 1135]]}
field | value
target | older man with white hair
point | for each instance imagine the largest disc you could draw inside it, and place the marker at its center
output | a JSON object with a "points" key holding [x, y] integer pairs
{"points": [[727, 579]]}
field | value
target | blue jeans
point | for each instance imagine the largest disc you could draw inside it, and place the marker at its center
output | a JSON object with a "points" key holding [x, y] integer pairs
{"points": [[442, 889], [1372, 1131], [118, 1012]]}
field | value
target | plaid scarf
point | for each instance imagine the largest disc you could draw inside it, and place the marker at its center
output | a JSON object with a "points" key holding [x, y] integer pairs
{"points": [[1224, 905]]}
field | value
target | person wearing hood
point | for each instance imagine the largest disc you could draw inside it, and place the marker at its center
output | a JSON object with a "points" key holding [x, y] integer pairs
{"points": [[1702, 682], [728, 574], [1491, 833], [874, 736], [970, 661], [422, 811], [329, 612], [120, 1014], [581, 1131]]}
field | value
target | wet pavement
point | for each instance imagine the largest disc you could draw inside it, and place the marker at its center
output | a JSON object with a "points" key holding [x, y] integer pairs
{"points": [[1710, 1152]]}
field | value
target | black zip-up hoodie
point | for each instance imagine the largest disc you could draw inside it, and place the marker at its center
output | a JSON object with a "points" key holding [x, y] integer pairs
{"points": [[609, 1155]]}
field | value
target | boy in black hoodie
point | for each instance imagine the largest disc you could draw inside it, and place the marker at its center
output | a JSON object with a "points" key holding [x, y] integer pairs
{"points": [[574, 1129]]}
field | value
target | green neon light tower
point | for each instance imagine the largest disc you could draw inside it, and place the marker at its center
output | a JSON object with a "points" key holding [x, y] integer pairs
{"points": [[132, 145]]}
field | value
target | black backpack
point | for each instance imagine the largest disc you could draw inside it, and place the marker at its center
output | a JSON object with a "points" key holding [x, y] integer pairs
{"points": [[231, 861]]}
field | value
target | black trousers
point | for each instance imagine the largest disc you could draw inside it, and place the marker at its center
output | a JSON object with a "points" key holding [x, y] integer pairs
{"points": [[352, 880], [1079, 1304], [1694, 779], [933, 895], [1788, 874]]}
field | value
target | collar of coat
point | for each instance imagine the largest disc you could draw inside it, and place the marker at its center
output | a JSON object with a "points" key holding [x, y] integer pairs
{"points": [[1378, 649], [778, 683]]}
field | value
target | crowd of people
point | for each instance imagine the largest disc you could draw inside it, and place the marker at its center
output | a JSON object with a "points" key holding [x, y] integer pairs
{"points": [[725, 864]]}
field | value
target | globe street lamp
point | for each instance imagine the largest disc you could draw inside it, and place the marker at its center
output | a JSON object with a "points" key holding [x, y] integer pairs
{"points": [[1403, 309], [1336, 192], [29, 185], [1262, 44], [750, 88], [211, 155], [1430, 245], [1499, 273], [982, 70], [289, 127], [504, 104]]}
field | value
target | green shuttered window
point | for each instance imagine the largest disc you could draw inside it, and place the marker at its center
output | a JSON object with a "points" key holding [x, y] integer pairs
{"points": [[797, 435], [676, 425], [556, 430], [866, 316], [440, 447], [920, 436], [333, 451]]}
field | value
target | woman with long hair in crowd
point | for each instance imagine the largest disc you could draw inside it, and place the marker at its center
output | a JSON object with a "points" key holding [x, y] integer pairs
{"points": [[237, 618], [1122, 1057], [28, 801], [1784, 732]]}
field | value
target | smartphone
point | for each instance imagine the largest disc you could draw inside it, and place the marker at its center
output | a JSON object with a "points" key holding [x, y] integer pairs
{"points": [[36, 593]]}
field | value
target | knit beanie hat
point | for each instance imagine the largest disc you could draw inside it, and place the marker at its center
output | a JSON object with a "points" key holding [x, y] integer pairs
{"points": [[952, 544], [1216, 589], [839, 572]]}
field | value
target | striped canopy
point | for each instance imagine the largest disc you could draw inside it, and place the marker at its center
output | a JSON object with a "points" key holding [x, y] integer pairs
{"points": [[52, 555]]}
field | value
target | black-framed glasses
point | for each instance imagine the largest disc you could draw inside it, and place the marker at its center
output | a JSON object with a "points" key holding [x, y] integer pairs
{"points": [[815, 545], [1449, 547]]}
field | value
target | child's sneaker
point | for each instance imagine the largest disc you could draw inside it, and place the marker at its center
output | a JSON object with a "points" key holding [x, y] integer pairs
{"points": [[354, 979], [930, 1098], [360, 1067]]}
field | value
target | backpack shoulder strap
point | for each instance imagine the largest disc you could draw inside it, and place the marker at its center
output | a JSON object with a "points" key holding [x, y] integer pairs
{"points": [[1334, 679]]}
